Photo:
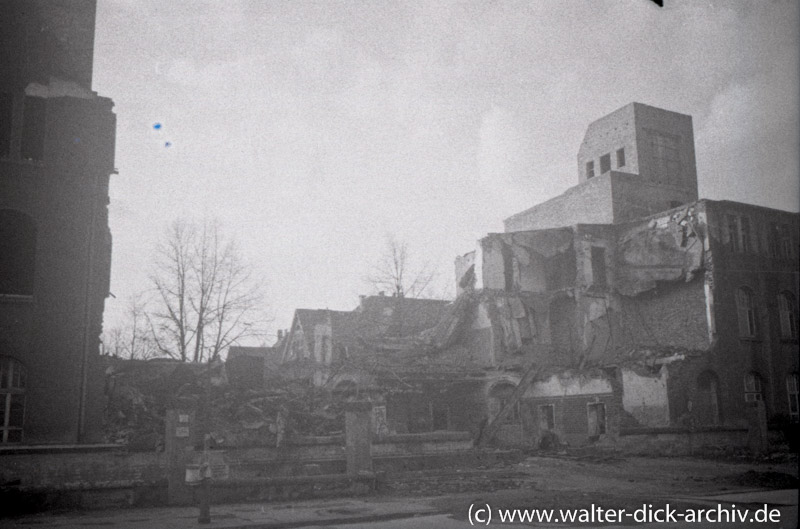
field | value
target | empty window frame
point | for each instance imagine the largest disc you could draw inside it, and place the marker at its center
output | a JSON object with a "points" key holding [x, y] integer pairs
{"points": [[547, 417], [34, 122], [787, 315], [599, 274], [746, 311], [501, 396], [752, 388], [780, 241], [605, 163], [589, 169], [792, 387], [596, 414], [621, 157], [6, 115], [12, 400]]}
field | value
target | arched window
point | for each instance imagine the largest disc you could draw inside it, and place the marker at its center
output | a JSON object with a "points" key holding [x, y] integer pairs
{"points": [[707, 401], [746, 309], [17, 253], [788, 315], [12, 400], [752, 388]]}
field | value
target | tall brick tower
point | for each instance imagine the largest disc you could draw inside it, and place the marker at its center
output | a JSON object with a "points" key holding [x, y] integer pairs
{"points": [[636, 161], [56, 156]]}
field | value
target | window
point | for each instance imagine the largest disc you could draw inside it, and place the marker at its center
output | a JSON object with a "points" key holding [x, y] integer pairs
{"points": [[733, 233], [6, 114], [788, 316], [746, 309], [597, 419], [33, 128], [666, 156], [744, 233], [780, 241], [791, 390], [605, 163], [589, 170], [599, 266], [620, 157], [12, 400], [547, 417], [752, 388], [17, 253]]}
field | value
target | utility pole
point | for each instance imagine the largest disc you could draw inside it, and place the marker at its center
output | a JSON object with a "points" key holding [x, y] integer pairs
{"points": [[205, 464]]}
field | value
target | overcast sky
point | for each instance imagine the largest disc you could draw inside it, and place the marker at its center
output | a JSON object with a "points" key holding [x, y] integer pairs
{"points": [[313, 129]]}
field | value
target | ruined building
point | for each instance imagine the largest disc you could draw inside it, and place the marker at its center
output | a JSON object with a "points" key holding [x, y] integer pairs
{"points": [[638, 305], [56, 156]]}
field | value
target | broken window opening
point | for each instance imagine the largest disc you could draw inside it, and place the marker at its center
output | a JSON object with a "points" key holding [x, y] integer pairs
{"points": [[33, 128], [6, 114], [596, 413], [547, 417], [792, 387], [599, 266], [746, 309], [780, 242], [562, 324], [12, 399], [752, 388], [17, 253], [605, 163], [621, 157], [788, 315], [589, 170]]}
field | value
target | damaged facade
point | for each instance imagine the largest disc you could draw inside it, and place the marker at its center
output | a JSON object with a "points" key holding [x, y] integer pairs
{"points": [[636, 304], [623, 305], [378, 351], [56, 155]]}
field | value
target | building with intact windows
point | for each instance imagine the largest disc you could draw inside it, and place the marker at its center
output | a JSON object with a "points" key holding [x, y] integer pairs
{"points": [[56, 156]]}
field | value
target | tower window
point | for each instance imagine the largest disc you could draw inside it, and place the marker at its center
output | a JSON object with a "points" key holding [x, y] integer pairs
{"points": [[590, 169], [33, 128], [621, 157], [605, 163]]}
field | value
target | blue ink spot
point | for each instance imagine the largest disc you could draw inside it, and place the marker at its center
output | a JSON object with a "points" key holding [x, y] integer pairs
{"points": [[168, 144], [157, 126]]}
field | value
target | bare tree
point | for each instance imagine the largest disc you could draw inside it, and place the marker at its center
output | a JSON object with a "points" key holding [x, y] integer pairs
{"points": [[133, 339], [397, 274], [206, 297]]}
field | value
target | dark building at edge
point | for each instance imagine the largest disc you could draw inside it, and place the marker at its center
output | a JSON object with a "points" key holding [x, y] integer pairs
{"points": [[56, 155]]}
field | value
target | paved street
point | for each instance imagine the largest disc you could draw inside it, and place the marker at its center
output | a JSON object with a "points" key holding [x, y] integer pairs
{"points": [[549, 483]]}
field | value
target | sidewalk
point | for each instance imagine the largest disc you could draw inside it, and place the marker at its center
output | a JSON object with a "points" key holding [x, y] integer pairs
{"points": [[245, 515]]}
